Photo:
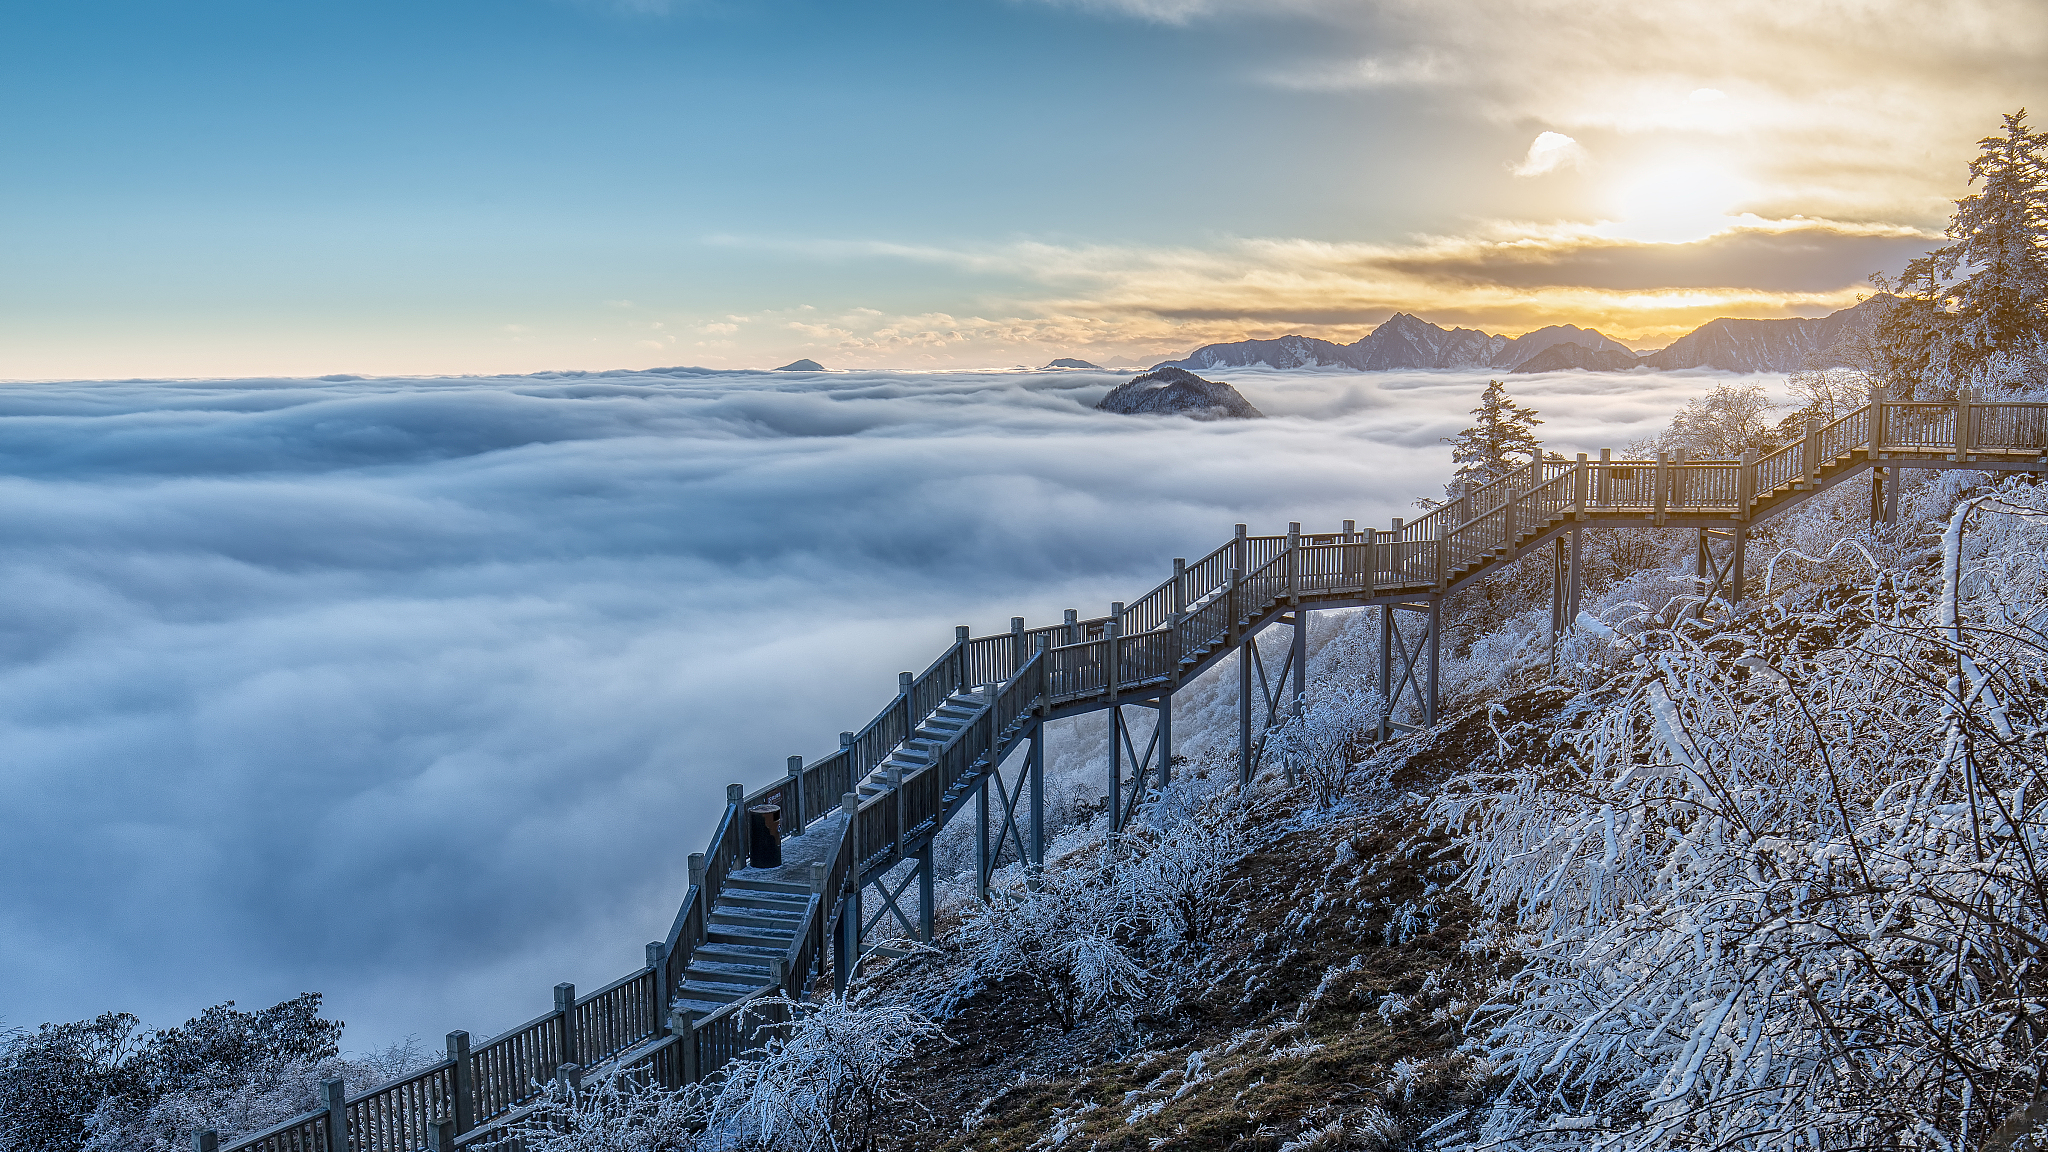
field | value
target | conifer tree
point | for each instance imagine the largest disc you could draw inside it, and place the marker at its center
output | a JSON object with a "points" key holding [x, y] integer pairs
{"points": [[1976, 309], [1502, 440]]}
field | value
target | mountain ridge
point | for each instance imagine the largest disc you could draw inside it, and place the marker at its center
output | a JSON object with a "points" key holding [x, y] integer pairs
{"points": [[1406, 342]]}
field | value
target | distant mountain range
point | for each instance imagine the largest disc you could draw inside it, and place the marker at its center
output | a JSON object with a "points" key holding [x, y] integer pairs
{"points": [[1407, 342]]}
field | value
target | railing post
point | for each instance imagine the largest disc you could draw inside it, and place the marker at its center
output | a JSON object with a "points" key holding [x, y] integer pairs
{"points": [[1745, 484], [684, 1027], [1963, 401], [903, 681], [1877, 428], [1443, 553], [1399, 556], [1113, 665], [205, 1140], [1678, 479], [657, 957], [1603, 480], [565, 1005], [1175, 645], [735, 806], [1230, 602], [1811, 451], [1579, 488], [1372, 560], [959, 655], [464, 1088], [334, 1098], [1072, 621], [1180, 584], [1241, 550], [795, 821], [441, 1136], [1293, 563], [1510, 531], [1017, 653], [1660, 487]]}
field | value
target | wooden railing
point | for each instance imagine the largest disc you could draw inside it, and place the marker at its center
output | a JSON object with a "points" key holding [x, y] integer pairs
{"points": [[1151, 642]]}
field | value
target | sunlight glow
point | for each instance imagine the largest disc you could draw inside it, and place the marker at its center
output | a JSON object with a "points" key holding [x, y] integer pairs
{"points": [[1677, 203]]}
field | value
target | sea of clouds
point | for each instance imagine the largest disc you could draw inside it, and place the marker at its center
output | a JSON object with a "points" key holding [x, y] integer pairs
{"points": [[418, 692]]}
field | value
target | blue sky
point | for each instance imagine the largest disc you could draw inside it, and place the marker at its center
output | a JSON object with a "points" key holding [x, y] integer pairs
{"points": [[223, 188]]}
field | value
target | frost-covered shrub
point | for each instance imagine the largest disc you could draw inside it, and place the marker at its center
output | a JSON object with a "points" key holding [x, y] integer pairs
{"points": [[1322, 745], [1175, 877], [1782, 887], [1067, 940], [825, 1079]]}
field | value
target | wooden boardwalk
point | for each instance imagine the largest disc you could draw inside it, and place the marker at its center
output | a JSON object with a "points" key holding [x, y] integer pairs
{"points": [[861, 820]]}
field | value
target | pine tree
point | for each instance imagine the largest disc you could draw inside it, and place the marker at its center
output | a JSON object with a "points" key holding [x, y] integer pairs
{"points": [[1504, 438], [1976, 310]]}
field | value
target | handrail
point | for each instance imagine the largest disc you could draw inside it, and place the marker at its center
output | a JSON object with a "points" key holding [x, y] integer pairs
{"points": [[1158, 638]]}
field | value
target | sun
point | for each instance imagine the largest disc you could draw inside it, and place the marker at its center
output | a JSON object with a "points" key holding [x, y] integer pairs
{"points": [[1677, 203]]}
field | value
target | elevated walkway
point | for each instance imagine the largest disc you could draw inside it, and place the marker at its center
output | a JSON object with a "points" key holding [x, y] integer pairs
{"points": [[859, 822]]}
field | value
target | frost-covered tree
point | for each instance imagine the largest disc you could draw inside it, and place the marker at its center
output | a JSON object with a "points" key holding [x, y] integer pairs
{"points": [[1323, 744], [1721, 425], [1501, 440], [1976, 310], [53, 1078], [1780, 887]]}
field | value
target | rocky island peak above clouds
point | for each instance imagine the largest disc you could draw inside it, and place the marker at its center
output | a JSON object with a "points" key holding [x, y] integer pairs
{"points": [[1170, 391]]}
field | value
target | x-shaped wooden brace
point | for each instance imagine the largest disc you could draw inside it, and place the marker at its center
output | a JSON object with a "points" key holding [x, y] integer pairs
{"points": [[889, 903], [1271, 692], [1406, 657], [1011, 831], [1142, 767], [1717, 575]]}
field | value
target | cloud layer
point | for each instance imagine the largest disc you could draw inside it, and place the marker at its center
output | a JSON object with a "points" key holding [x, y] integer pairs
{"points": [[418, 692]]}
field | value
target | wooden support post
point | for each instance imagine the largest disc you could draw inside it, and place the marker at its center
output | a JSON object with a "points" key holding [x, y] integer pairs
{"points": [[1579, 483], [1398, 557], [1660, 488], [1300, 661], [1603, 479], [1810, 452], [1745, 484], [1116, 765], [1879, 429], [1965, 435], [565, 1007], [1442, 564], [1436, 628], [441, 1136], [1578, 578], [1387, 669], [463, 1083], [1891, 495], [793, 820], [846, 942], [1232, 603], [1035, 765], [334, 1101], [1240, 551], [1180, 584], [926, 905], [1678, 479], [1509, 530], [1739, 559], [1244, 710], [1557, 623], [1165, 741], [1072, 620], [982, 863]]}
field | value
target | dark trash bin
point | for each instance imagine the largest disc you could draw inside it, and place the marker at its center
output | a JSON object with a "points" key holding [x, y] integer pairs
{"points": [[764, 835]]}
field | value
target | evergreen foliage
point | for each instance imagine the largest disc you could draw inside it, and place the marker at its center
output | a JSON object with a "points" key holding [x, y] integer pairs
{"points": [[1502, 440], [1975, 311]]}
